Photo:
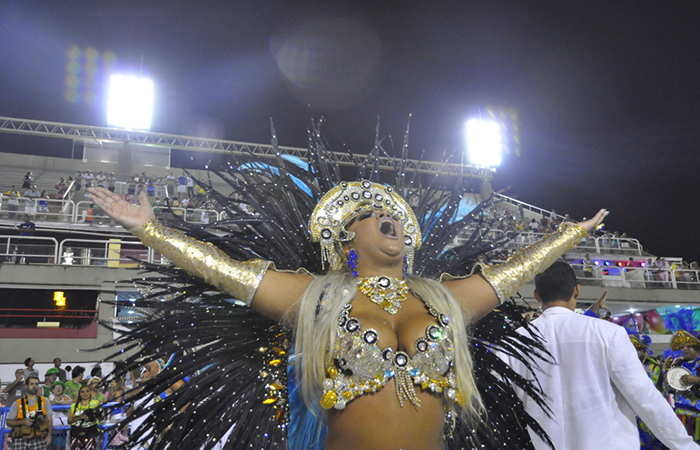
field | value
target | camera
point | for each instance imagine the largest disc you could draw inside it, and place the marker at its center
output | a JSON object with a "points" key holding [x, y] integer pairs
{"points": [[94, 414]]}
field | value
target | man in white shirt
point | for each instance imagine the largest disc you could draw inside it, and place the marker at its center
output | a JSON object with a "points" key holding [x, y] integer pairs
{"points": [[597, 386]]}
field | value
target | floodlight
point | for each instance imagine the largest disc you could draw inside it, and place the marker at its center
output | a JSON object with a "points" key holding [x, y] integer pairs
{"points": [[484, 142], [130, 102]]}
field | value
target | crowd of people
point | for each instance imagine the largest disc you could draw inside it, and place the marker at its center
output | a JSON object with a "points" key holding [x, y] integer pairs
{"points": [[85, 394], [183, 191]]}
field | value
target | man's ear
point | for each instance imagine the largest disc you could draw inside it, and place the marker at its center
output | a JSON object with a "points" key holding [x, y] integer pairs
{"points": [[537, 296], [577, 291]]}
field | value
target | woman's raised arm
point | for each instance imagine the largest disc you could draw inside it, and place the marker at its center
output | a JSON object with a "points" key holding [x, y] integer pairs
{"points": [[480, 294], [256, 281]]}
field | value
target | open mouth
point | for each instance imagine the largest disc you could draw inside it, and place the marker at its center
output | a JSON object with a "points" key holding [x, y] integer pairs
{"points": [[388, 228]]}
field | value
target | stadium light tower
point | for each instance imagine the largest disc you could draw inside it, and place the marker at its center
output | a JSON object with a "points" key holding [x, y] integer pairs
{"points": [[130, 103], [484, 142]]}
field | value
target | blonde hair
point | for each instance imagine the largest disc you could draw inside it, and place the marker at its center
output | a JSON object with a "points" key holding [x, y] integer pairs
{"points": [[315, 334]]}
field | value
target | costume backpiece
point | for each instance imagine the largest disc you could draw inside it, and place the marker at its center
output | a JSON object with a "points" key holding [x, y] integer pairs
{"points": [[234, 367]]}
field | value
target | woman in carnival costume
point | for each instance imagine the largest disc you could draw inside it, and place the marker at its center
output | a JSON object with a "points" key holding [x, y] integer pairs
{"points": [[373, 354]]}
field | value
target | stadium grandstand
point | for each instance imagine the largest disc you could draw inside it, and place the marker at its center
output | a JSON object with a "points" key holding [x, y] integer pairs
{"points": [[58, 280]]}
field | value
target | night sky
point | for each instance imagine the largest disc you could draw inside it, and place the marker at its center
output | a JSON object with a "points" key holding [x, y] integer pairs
{"points": [[606, 94]]}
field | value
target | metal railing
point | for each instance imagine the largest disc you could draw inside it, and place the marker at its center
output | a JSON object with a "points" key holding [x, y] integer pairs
{"points": [[601, 245], [28, 249]]}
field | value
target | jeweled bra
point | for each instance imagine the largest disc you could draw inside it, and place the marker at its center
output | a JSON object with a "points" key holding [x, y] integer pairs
{"points": [[361, 367]]}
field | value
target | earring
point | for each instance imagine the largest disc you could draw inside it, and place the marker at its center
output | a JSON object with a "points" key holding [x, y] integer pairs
{"points": [[352, 262], [405, 266]]}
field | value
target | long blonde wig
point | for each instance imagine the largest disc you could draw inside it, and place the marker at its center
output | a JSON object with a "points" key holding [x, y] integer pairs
{"points": [[316, 326]]}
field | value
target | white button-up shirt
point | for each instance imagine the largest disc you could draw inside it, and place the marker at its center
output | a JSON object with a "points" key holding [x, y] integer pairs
{"points": [[597, 388]]}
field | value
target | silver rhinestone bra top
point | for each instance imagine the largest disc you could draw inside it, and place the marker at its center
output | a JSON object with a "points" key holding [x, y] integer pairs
{"points": [[360, 366]]}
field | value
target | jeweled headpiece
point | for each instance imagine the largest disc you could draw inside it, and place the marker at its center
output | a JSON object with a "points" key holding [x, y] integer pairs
{"points": [[346, 201], [681, 338]]}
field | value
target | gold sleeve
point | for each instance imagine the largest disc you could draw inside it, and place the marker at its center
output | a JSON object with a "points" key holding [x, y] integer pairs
{"points": [[522, 266], [202, 259]]}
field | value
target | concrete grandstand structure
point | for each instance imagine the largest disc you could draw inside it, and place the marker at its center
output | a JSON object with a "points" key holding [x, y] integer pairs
{"points": [[92, 261]]}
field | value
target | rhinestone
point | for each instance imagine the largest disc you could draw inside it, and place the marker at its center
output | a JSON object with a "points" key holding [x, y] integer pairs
{"points": [[326, 233], [327, 384], [366, 184], [366, 194], [352, 325], [401, 359], [355, 196], [340, 404], [386, 354], [384, 282], [422, 345], [379, 197], [370, 336], [340, 203], [407, 240], [434, 332], [344, 184], [389, 188], [414, 372], [445, 320]]}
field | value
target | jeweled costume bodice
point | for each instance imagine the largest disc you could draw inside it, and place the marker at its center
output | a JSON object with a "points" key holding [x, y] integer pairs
{"points": [[360, 366]]}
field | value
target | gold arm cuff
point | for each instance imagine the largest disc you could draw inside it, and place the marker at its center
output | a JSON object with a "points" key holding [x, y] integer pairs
{"points": [[522, 266], [202, 259]]}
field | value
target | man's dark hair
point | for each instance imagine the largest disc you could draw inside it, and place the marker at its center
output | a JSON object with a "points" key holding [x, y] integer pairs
{"points": [[77, 371], [27, 361], [556, 283], [95, 371], [31, 377]]}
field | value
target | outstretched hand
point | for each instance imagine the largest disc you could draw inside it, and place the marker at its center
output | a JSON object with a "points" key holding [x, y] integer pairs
{"points": [[127, 215], [591, 224]]}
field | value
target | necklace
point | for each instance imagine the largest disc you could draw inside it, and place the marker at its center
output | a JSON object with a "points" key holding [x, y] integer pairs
{"points": [[387, 292]]}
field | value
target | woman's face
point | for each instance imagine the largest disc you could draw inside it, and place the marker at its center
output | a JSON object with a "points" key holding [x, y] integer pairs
{"points": [[57, 390], [84, 393], [113, 384], [377, 235]]}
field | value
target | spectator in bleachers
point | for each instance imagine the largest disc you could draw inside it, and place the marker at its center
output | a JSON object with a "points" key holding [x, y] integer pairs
{"points": [[83, 421], [133, 181], [140, 181], [171, 183], [116, 390], [29, 368], [72, 386], [30, 204], [111, 182], [17, 389], [78, 180], [96, 371], [588, 266], [61, 373], [88, 177], [13, 202], [190, 186], [151, 186], [534, 227], [43, 207], [95, 392], [49, 379], [61, 187], [28, 180], [24, 245], [182, 184], [60, 417], [664, 272], [100, 179]]}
